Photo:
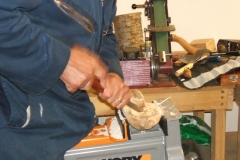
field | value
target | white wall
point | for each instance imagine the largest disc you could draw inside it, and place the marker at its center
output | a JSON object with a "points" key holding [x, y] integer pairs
{"points": [[199, 19]]}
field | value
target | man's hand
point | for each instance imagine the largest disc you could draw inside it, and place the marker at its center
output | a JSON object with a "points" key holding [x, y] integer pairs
{"points": [[115, 92], [82, 68]]}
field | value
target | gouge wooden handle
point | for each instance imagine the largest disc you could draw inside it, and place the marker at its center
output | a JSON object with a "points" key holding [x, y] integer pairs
{"points": [[181, 70], [97, 86], [187, 73]]}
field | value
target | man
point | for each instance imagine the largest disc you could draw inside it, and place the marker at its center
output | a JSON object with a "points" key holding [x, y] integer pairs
{"points": [[50, 52]]}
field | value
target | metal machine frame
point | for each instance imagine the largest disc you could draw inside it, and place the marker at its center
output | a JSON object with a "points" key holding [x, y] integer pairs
{"points": [[162, 142]]}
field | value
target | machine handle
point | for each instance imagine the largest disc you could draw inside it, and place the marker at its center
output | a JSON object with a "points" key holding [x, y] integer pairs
{"points": [[134, 6]]}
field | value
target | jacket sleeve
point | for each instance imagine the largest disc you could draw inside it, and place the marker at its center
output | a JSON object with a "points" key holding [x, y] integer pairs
{"points": [[29, 57], [108, 51]]}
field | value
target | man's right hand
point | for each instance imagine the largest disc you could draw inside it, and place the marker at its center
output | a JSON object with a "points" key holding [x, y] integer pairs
{"points": [[82, 67]]}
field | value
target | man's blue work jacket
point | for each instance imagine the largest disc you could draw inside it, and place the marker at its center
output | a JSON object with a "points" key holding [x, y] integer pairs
{"points": [[39, 118]]}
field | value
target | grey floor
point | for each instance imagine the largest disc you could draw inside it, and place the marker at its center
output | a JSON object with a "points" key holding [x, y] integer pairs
{"points": [[231, 147]]}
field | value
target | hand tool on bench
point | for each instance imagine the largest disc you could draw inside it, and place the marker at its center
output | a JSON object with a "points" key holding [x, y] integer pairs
{"points": [[139, 114], [195, 55], [186, 69]]}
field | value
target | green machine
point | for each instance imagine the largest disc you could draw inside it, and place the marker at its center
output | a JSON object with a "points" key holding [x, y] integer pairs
{"points": [[159, 30]]}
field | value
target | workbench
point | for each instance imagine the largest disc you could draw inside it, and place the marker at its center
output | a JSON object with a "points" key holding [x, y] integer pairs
{"points": [[214, 99]]}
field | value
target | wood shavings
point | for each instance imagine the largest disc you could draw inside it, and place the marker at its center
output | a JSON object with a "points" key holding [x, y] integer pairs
{"points": [[98, 132], [114, 129]]}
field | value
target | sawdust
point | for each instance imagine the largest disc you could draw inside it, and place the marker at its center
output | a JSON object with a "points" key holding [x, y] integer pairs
{"points": [[114, 129], [100, 131], [137, 98]]}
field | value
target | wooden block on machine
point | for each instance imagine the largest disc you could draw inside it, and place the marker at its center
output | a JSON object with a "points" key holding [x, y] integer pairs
{"points": [[208, 43]]}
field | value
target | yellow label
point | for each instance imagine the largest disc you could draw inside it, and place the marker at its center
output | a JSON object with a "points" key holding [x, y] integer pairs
{"points": [[146, 157]]}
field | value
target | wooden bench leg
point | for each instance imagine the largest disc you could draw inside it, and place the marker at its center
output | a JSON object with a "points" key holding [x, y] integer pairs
{"points": [[237, 101], [218, 125], [199, 114], [238, 135]]}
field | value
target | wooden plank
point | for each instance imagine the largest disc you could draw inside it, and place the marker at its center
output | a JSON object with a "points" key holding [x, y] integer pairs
{"points": [[218, 126], [207, 98], [208, 43], [186, 100]]}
